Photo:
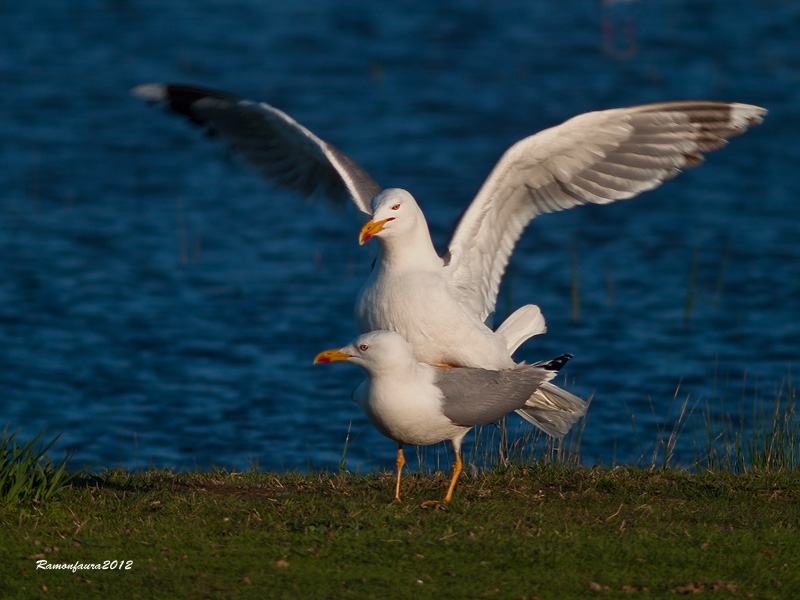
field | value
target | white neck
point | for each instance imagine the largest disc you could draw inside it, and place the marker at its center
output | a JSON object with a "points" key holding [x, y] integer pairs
{"points": [[410, 251]]}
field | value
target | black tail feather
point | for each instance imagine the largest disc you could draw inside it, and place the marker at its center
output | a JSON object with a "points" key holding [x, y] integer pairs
{"points": [[554, 364]]}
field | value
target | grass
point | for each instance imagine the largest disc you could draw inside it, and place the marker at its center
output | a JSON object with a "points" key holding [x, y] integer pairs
{"points": [[766, 439], [528, 521], [26, 473], [770, 442], [544, 531]]}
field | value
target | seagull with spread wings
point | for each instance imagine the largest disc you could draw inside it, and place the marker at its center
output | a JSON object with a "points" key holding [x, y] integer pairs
{"points": [[440, 304]]}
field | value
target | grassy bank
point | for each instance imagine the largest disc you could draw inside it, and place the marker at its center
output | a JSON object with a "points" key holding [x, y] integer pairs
{"points": [[546, 531], [527, 521]]}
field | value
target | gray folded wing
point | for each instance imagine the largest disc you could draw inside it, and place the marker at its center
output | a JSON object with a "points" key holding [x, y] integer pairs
{"points": [[479, 397], [271, 142]]}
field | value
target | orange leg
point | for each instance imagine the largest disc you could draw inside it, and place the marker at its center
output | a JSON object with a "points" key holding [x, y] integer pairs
{"points": [[456, 473], [400, 462]]}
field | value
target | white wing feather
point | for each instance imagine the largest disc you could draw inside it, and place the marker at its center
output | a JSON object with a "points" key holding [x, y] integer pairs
{"points": [[596, 157]]}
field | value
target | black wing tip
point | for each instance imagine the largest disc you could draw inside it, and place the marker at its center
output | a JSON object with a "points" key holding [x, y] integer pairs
{"points": [[164, 91], [179, 97], [182, 99], [737, 117], [556, 364]]}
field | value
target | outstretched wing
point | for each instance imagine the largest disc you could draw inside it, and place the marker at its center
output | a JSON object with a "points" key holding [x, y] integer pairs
{"points": [[596, 157], [271, 142]]}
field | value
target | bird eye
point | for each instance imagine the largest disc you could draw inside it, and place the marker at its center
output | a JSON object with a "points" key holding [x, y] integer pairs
{"points": [[363, 347], [396, 207]]}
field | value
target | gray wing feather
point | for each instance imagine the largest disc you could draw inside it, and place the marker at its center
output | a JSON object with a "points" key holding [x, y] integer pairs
{"points": [[279, 148], [478, 397]]}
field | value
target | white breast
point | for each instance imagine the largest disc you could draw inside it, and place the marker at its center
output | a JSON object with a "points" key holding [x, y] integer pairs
{"points": [[407, 409], [421, 308]]}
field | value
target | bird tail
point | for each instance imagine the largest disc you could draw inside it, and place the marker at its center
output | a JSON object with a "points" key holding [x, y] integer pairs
{"points": [[554, 364], [521, 325], [552, 409]]}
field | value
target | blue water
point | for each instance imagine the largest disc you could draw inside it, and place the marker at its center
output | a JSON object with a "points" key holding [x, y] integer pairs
{"points": [[161, 305]]}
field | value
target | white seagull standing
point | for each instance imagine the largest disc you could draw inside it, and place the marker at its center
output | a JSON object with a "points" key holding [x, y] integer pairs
{"points": [[440, 304], [416, 404]]}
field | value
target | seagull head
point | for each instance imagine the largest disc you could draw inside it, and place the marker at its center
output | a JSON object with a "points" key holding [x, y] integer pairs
{"points": [[374, 352], [394, 213]]}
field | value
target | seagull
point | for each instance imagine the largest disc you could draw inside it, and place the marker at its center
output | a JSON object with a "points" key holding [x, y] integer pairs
{"points": [[442, 304], [417, 404]]}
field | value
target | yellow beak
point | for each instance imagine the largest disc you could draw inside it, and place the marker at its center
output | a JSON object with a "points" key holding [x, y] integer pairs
{"points": [[331, 356], [370, 229]]}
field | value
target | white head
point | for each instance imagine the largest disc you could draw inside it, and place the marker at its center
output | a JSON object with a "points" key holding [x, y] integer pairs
{"points": [[394, 213], [374, 352]]}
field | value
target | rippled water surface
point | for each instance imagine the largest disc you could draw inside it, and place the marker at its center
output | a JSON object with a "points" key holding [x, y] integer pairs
{"points": [[160, 304]]}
